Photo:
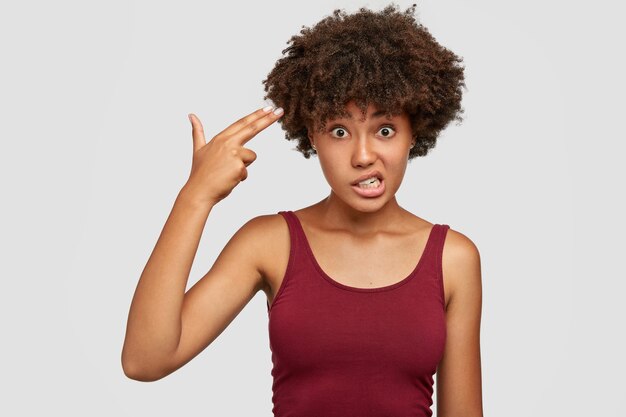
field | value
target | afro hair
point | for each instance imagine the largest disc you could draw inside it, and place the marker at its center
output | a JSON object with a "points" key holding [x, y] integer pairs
{"points": [[382, 58]]}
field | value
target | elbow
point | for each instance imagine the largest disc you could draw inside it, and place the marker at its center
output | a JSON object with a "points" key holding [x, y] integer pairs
{"points": [[138, 374], [138, 371]]}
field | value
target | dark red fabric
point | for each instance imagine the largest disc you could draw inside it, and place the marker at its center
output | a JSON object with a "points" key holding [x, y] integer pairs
{"points": [[356, 352]]}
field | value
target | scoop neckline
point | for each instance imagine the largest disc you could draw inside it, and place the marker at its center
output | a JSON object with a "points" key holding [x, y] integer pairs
{"points": [[336, 283]]}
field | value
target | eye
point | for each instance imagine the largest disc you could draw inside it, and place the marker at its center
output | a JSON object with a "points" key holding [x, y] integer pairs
{"points": [[340, 131], [387, 131]]}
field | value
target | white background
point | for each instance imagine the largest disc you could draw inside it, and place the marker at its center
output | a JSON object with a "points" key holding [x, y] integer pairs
{"points": [[95, 145]]}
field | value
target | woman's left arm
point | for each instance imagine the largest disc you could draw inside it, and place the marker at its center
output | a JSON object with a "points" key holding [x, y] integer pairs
{"points": [[459, 381]]}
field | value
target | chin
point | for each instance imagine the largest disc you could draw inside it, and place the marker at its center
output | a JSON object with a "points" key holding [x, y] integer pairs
{"points": [[367, 205], [369, 208]]}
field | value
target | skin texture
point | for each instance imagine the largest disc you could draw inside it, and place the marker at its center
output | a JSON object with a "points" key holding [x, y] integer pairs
{"points": [[351, 147], [459, 386]]}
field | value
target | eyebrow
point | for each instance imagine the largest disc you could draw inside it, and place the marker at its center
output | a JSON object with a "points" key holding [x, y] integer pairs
{"points": [[379, 113]]}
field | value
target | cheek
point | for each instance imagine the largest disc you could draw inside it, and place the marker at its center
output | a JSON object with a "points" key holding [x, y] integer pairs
{"points": [[395, 168], [330, 168], [335, 170]]}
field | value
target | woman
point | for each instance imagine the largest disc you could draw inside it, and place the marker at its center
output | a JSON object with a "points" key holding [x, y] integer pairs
{"points": [[366, 301]]}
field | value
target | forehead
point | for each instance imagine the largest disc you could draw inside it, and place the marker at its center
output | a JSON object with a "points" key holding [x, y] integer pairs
{"points": [[352, 112]]}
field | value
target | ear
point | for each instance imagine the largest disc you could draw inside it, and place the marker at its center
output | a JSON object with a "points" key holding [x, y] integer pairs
{"points": [[413, 140]]}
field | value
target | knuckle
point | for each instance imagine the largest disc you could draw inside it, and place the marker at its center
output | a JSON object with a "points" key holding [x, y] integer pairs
{"points": [[253, 127]]}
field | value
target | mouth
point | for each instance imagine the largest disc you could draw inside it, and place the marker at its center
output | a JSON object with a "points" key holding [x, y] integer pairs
{"points": [[370, 175], [374, 188]]}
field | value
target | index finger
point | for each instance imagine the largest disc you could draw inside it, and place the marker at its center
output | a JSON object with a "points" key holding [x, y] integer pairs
{"points": [[246, 120], [252, 129]]}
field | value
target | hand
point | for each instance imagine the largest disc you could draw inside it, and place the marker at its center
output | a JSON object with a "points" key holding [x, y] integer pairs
{"points": [[219, 165]]}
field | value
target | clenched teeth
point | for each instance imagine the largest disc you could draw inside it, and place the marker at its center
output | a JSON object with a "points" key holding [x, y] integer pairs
{"points": [[370, 183]]}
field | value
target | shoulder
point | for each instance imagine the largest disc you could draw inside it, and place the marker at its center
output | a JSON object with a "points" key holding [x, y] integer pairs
{"points": [[459, 248], [265, 230], [265, 223], [270, 240], [461, 265]]}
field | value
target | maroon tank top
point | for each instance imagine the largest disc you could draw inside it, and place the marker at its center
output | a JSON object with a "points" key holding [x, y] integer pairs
{"points": [[345, 351]]}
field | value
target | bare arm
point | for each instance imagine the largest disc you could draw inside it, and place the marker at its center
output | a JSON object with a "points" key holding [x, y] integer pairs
{"points": [[459, 386], [166, 327], [154, 321]]}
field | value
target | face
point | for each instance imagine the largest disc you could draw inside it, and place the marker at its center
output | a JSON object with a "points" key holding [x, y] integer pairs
{"points": [[349, 148]]}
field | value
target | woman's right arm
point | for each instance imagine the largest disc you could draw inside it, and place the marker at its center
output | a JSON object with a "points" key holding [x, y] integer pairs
{"points": [[167, 327]]}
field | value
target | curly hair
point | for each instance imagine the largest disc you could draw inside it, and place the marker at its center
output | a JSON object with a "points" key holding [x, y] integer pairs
{"points": [[384, 58]]}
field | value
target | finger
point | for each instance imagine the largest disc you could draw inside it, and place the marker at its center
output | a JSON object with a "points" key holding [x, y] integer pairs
{"points": [[197, 132], [242, 136], [245, 120], [248, 156]]}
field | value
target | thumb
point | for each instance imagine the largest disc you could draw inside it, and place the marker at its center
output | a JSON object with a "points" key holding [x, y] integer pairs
{"points": [[197, 132]]}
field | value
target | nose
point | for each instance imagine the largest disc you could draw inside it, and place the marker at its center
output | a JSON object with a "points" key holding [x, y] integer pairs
{"points": [[363, 153]]}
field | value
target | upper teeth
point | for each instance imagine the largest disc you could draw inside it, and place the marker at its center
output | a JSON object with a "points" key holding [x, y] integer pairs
{"points": [[368, 181]]}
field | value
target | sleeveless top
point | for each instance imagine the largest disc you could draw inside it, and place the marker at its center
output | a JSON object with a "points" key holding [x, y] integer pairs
{"points": [[345, 351]]}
